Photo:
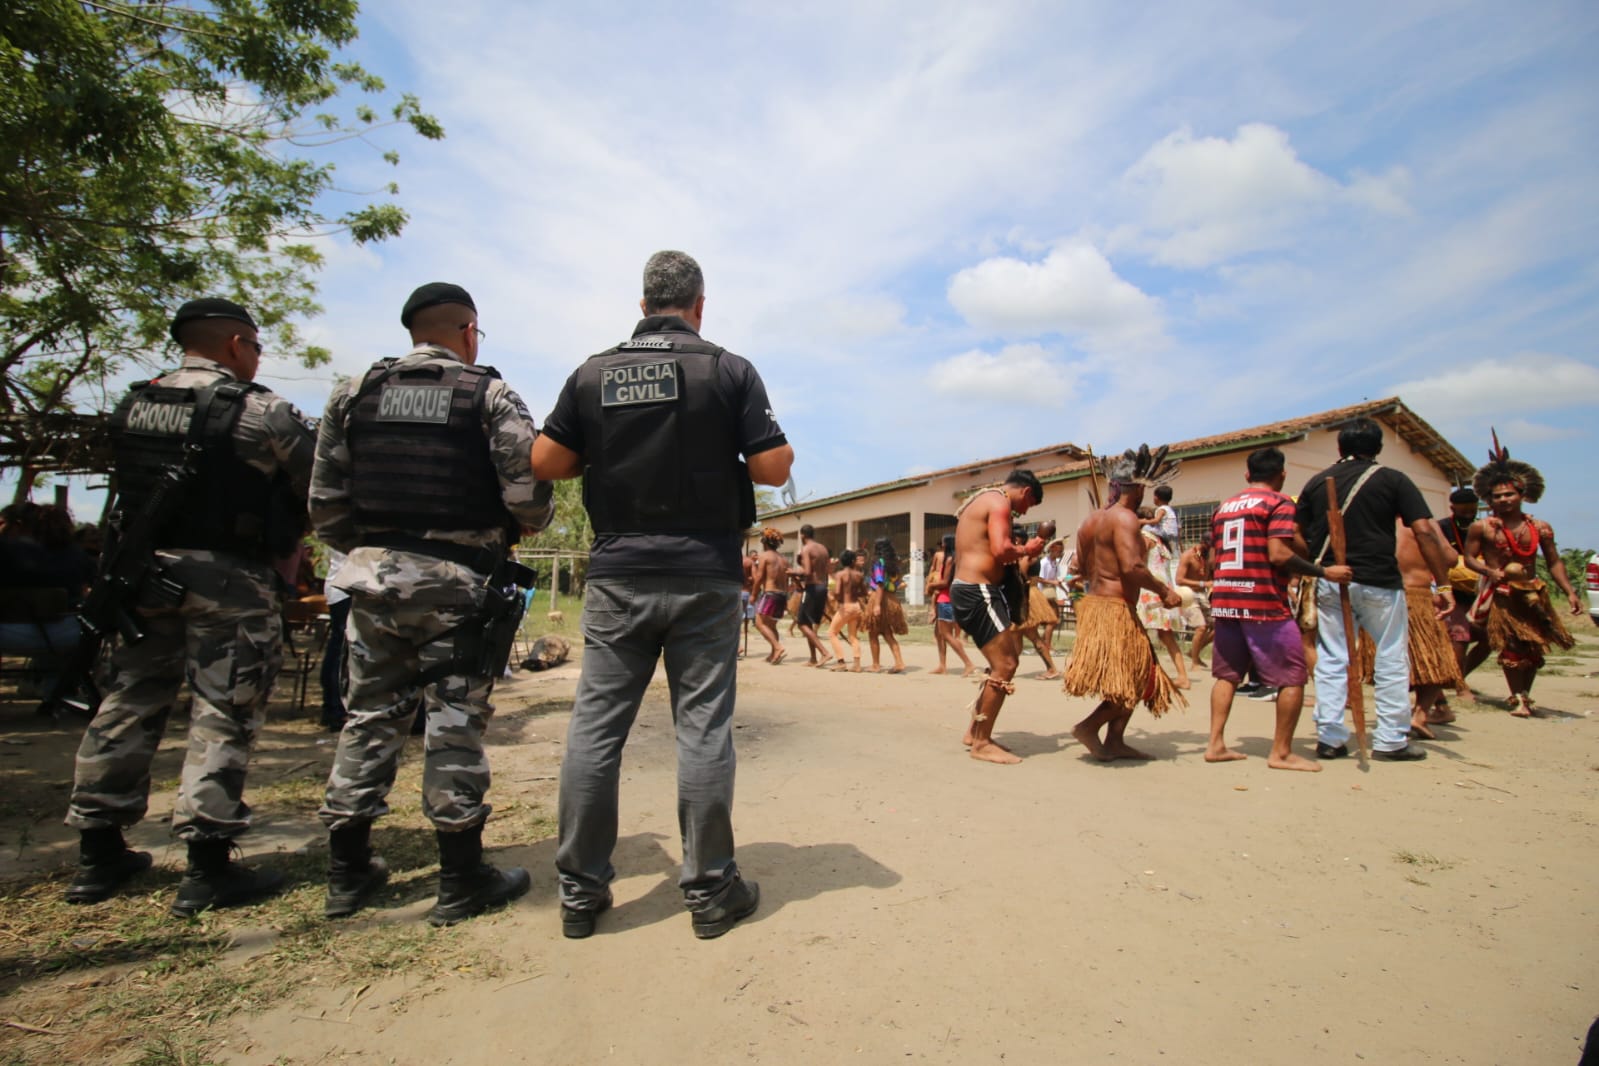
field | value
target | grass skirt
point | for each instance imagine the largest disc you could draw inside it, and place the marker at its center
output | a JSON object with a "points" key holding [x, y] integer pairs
{"points": [[1432, 657], [1113, 659], [1522, 624], [1040, 609], [883, 614]]}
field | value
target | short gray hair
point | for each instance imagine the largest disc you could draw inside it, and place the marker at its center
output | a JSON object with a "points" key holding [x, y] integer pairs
{"points": [[672, 282]]}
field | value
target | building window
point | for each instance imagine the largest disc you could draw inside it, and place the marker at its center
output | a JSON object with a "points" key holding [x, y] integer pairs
{"points": [[1193, 520]]}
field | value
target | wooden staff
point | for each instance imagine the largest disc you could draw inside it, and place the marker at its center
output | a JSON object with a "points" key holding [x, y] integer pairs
{"points": [[1093, 477], [1357, 696]]}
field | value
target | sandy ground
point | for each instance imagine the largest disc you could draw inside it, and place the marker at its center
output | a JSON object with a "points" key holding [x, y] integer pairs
{"points": [[920, 906]]}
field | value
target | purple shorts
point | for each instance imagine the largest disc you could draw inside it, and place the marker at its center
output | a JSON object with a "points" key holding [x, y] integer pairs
{"points": [[1272, 648], [771, 604]]}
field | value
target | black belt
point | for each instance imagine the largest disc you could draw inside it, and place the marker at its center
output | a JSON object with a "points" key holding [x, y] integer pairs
{"points": [[482, 560]]}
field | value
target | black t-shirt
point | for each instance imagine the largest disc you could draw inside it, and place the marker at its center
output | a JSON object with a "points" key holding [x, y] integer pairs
{"points": [[1368, 521], [692, 554]]}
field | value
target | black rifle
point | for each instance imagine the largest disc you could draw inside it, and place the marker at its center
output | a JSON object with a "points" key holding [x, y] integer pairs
{"points": [[128, 571]]}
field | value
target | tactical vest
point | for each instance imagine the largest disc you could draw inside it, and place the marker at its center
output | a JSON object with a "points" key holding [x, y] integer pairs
{"points": [[659, 440], [419, 456], [230, 506]]}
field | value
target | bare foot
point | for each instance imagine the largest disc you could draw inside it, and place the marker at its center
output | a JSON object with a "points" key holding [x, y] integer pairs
{"points": [[1124, 750], [988, 751], [1438, 716], [1219, 753], [1519, 708], [900, 669], [1418, 727], [936, 670], [823, 661], [1049, 675], [969, 671], [1090, 740], [1463, 690], [966, 741], [1183, 683], [779, 655], [855, 669], [838, 668], [1294, 762]]}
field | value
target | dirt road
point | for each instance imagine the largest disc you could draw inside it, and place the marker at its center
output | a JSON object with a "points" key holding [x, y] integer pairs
{"points": [[920, 906]]}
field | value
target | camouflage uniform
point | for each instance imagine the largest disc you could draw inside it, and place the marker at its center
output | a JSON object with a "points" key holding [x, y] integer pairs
{"points": [[406, 609], [225, 639]]}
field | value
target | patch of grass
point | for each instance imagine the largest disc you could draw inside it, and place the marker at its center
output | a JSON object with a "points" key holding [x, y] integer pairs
{"points": [[1422, 859], [1413, 879], [122, 981]]}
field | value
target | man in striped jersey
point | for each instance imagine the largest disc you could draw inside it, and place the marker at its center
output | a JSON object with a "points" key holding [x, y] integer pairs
{"points": [[1254, 538]]}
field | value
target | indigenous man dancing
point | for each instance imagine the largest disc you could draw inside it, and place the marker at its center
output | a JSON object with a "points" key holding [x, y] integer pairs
{"points": [[771, 592], [1504, 547], [982, 548], [1113, 658]]}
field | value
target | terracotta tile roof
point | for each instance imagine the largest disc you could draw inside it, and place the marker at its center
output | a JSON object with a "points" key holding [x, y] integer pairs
{"points": [[1392, 412]]}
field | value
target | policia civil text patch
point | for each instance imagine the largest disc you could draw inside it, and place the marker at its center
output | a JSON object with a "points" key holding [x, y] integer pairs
{"points": [[622, 386]]}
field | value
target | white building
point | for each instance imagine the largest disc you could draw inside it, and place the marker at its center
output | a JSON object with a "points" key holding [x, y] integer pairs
{"points": [[914, 512]]}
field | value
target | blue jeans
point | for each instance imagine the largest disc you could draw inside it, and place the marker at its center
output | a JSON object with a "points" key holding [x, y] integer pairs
{"points": [[1382, 613], [630, 623]]}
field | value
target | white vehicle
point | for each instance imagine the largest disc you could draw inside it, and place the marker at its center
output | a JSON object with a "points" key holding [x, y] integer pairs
{"points": [[1593, 588]]}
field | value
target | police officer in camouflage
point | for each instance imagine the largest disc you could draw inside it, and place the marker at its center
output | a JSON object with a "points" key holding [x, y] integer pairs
{"points": [[214, 617], [655, 427], [423, 476]]}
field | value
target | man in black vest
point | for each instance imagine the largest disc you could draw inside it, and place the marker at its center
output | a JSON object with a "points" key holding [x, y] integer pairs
{"points": [[213, 616], [423, 476], [655, 427]]}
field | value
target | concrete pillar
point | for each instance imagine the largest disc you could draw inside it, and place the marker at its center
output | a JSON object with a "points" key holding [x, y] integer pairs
{"points": [[914, 592]]}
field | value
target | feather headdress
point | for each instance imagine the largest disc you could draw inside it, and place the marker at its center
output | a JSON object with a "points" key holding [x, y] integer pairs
{"points": [[1501, 468], [1142, 467]]}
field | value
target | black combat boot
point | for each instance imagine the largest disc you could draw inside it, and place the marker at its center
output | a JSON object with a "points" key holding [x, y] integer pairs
{"points": [[104, 862], [213, 880], [354, 873], [469, 886]]}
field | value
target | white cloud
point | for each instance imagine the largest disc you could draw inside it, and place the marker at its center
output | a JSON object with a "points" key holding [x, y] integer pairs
{"points": [[1020, 373], [1520, 431], [1209, 199], [1073, 291], [1526, 382]]}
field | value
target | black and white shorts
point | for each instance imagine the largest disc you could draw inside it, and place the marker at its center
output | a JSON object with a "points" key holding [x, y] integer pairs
{"points": [[979, 610]]}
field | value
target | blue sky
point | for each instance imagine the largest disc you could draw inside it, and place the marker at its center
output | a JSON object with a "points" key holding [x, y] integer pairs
{"points": [[950, 231]]}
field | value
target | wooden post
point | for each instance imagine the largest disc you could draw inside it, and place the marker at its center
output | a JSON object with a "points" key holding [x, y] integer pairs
{"points": [[1357, 696]]}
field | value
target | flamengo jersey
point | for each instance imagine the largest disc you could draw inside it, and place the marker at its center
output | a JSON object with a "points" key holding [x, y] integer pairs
{"points": [[1247, 587]]}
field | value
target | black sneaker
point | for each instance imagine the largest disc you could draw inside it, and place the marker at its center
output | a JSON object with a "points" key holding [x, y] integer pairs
{"points": [[737, 904], [1408, 753], [1250, 689], [1262, 693], [579, 924], [1327, 751]]}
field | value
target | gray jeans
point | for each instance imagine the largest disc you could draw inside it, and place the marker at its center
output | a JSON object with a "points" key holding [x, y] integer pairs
{"points": [[629, 623]]}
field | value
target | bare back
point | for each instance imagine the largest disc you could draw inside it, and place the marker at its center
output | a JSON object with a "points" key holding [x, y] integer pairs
{"points": [[773, 572], [812, 561], [851, 586], [1413, 569], [1111, 550]]}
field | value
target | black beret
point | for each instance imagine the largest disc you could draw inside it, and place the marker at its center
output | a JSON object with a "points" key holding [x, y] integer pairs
{"points": [[431, 295], [209, 307]]}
